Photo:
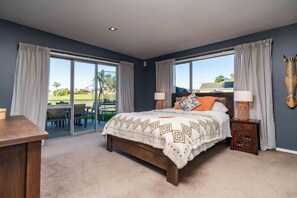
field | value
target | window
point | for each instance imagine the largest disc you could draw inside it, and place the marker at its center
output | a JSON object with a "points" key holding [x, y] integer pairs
{"points": [[208, 73], [182, 77], [81, 91]]}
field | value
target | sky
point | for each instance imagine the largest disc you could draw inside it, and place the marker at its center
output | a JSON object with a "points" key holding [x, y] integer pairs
{"points": [[205, 70], [83, 73]]}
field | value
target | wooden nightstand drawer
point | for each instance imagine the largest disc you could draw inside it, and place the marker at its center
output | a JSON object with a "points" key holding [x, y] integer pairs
{"points": [[245, 135], [244, 141], [242, 126]]}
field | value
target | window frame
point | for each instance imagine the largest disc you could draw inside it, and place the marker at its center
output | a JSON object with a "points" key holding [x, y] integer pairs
{"points": [[197, 58]]}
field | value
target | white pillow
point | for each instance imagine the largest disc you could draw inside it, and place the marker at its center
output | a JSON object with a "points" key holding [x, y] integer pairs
{"points": [[178, 102], [175, 105], [218, 106]]}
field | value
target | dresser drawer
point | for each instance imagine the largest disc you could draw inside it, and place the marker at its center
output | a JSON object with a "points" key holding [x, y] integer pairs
{"points": [[243, 127]]}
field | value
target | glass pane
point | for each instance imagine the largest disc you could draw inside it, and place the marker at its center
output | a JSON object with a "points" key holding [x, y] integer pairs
{"points": [[213, 74], [107, 93], [182, 78], [57, 123], [84, 97]]}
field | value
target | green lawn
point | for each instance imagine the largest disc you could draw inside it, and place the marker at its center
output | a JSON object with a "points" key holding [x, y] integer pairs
{"points": [[87, 99]]}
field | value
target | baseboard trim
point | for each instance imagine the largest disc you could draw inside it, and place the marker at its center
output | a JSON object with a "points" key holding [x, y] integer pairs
{"points": [[286, 151]]}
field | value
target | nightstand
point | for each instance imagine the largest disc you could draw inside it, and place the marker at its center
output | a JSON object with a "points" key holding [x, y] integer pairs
{"points": [[245, 135]]}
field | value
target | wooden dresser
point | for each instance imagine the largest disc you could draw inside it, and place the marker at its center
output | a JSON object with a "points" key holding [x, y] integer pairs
{"points": [[20, 157], [245, 135]]}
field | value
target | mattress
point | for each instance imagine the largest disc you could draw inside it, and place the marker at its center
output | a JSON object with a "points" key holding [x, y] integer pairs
{"points": [[181, 135]]}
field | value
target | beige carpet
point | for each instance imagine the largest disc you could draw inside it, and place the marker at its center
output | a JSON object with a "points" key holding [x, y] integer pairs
{"points": [[81, 167]]}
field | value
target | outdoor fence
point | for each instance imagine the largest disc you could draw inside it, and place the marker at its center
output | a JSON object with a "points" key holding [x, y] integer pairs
{"points": [[88, 102]]}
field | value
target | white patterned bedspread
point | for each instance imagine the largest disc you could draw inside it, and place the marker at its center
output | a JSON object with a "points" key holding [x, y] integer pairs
{"points": [[182, 135]]}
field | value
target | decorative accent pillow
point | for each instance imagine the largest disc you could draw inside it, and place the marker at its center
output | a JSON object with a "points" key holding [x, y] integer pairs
{"points": [[218, 106], [206, 103], [190, 103]]}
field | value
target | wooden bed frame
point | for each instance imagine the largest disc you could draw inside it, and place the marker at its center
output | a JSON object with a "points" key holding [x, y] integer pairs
{"points": [[155, 156]]}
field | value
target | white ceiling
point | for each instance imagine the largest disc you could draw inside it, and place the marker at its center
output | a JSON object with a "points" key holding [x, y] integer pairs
{"points": [[150, 28]]}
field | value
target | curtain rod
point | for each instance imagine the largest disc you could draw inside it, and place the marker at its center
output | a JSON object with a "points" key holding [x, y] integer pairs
{"points": [[205, 53], [216, 51], [82, 55], [82, 58]]}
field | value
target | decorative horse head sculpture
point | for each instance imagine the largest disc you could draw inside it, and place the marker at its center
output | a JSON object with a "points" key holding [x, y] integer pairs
{"points": [[291, 80]]}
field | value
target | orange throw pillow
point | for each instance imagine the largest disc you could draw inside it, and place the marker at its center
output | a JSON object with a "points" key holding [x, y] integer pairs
{"points": [[206, 103]]}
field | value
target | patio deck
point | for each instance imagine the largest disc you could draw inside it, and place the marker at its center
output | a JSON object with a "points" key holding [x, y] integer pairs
{"points": [[59, 132]]}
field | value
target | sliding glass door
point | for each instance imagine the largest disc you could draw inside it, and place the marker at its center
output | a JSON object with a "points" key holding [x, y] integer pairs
{"points": [[82, 96], [107, 92], [58, 112]]}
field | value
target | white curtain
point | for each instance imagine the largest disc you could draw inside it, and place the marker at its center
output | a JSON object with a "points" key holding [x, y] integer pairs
{"points": [[126, 87], [253, 72], [30, 90], [164, 79]]}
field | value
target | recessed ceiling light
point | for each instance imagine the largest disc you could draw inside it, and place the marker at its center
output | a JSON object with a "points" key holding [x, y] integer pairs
{"points": [[112, 29]]}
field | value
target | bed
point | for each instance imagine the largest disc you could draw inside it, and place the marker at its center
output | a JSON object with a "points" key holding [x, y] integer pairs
{"points": [[169, 138]]}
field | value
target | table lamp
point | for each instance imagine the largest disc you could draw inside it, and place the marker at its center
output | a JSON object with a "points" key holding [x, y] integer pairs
{"points": [[2, 114], [160, 98], [243, 98]]}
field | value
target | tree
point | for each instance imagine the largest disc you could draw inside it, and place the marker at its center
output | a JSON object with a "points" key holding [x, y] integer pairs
{"points": [[110, 82], [102, 81], [232, 76], [105, 81], [220, 78], [84, 91], [56, 85], [65, 92]]}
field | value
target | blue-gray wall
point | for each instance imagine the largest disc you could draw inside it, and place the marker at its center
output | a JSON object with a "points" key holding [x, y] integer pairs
{"points": [[284, 43], [11, 34]]}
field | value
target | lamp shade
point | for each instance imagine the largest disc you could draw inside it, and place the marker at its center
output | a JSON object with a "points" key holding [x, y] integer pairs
{"points": [[243, 96], [159, 96]]}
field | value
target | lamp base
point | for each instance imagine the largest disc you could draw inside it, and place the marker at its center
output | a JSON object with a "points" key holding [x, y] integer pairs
{"points": [[243, 111], [160, 104]]}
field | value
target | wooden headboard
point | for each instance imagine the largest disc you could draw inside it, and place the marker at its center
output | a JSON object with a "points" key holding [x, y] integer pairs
{"points": [[221, 95]]}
